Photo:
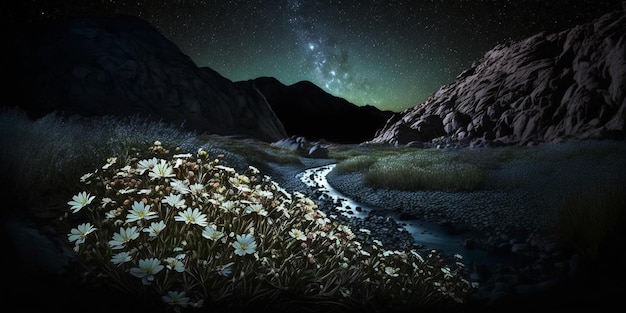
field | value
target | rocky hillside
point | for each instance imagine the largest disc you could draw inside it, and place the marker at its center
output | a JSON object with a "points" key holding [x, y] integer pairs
{"points": [[121, 66], [308, 111], [548, 88]]}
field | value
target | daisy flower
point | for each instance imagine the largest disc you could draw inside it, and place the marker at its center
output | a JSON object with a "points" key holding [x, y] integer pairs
{"points": [[146, 165], [146, 270], [211, 232], [192, 216], [176, 298], [124, 236], [120, 258], [245, 244], [161, 170], [175, 200], [297, 234], [154, 229], [80, 200], [140, 211], [78, 234], [181, 186]]}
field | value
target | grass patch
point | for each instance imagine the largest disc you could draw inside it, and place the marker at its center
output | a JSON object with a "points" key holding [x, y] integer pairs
{"points": [[255, 153], [432, 170], [356, 164], [588, 220], [416, 169]]}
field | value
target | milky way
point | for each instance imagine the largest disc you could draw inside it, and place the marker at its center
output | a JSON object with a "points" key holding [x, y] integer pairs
{"points": [[392, 54], [324, 55]]}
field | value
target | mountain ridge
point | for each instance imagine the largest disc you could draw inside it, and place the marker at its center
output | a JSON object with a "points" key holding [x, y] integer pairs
{"points": [[307, 110], [546, 88]]}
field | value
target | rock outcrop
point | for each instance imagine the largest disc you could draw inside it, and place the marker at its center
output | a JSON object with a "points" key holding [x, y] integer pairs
{"points": [[564, 86], [308, 111], [122, 66]]}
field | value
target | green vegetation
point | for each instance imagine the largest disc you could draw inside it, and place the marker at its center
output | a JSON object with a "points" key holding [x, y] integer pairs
{"points": [[416, 169]]}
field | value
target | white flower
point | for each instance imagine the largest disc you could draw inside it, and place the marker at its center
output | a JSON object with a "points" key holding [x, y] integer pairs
{"points": [[245, 244], [182, 186], [178, 163], [146, 270], [392, 271], [85, 177], [121, 258], [297, 234], [146, 165], [226, 169], [161, 170], [192, 216], [106, 201], [124, 236], [78, 234], [154, 229], [126, 190], [80, 200], [176, 298], [175, 200], [196, 189], [228, 206], [211, 232], [140, 211], [253, 170], [256, 208], [110, 161], [112, 214], [175, 264], [265, 194]]}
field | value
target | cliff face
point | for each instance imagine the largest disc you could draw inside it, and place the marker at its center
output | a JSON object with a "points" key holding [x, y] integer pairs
{"points": [[122, 65], [548, 88]]}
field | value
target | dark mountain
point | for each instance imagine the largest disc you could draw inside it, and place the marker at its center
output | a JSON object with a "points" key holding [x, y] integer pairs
{"points": [[564, 86], [308, 111], [121, 66]]}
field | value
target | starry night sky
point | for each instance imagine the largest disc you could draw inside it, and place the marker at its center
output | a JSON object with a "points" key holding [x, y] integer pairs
{"points": [[391, 54]]}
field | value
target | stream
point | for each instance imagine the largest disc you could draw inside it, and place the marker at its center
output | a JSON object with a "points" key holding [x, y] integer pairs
{"points": [[428, 235]]}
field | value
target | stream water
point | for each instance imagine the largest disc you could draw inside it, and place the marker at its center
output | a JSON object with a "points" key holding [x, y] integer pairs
{"points": [[429, 235]]}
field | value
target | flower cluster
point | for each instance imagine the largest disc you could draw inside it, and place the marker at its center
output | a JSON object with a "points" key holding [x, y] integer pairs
{"points": [[195, 232]]}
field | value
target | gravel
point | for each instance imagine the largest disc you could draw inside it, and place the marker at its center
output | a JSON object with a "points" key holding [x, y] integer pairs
{"points": [[521, 197], [523, 193]]}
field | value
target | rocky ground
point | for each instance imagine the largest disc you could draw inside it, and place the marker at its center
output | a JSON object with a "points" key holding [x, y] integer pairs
{"points": [[511, 218]]}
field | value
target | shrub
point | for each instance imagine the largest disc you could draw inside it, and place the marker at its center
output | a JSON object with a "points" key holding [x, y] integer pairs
{"points": [[195, 233]]}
